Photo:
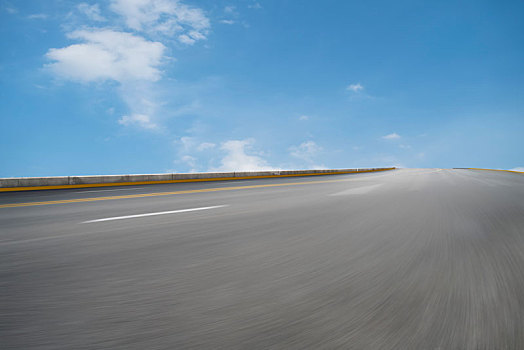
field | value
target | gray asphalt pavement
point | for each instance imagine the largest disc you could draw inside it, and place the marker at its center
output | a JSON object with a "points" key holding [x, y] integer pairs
{"points": [[404, 259]]}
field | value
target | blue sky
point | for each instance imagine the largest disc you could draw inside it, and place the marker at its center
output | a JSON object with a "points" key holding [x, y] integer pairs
{"points": [[152, 86]]}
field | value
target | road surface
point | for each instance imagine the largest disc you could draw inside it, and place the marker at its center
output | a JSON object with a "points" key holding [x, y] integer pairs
{"points": [[404, 259]]}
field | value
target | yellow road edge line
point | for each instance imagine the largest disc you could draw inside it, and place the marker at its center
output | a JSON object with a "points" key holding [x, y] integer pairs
{"points": [[156, 194], [60, 187], [509, 171]]}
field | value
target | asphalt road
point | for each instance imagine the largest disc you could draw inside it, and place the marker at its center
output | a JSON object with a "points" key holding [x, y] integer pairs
{"points": [[404, 259]]}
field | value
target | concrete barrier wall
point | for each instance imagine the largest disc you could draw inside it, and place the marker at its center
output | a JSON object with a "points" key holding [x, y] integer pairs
{"points": [[102, 180]]}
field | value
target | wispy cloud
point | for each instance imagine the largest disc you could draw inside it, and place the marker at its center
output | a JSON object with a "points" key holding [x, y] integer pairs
{"points": [[165, 17], [10, 9], [239, 157], [191, 162], [188, 149], [38, 16], [231, 15], [187, 142], [303, 117], [392, 136], [230, 9], [205, 146], [255, 6], [355, 87], [306, 151], [91, 11], [190, 38], [141, 120]]}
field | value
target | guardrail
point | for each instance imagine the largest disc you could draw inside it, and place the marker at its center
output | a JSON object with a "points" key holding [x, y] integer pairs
{"points": [[60, 182]]}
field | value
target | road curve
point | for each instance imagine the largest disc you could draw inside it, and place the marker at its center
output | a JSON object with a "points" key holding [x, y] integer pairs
{"points": [[405, 259]]}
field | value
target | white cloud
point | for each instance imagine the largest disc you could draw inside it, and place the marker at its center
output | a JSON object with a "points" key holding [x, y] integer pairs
{"points": [[107, 55], [91, 11], [519, 168], [303, 117], [165, 17], [128, 55], [140, 120], [205, 146], [392, 136], [255, 6], [196, 35], [191, 37], [236, 158], [227, 21], [37, 16], [355, 87], [186, 39], [404, 146], [306, 151]]}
